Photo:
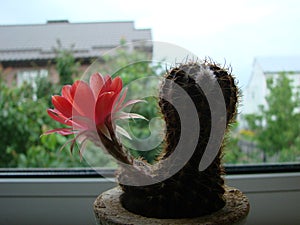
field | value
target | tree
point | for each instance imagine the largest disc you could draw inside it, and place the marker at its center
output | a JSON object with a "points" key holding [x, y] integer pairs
{"points": [[131, 66], [66, 64], [22, 121], [23, 118], [233, 154], [277, 126]]}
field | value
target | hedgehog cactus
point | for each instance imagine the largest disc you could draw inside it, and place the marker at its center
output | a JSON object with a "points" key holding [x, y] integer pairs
{"points": [[184, 192], [189, 192]]}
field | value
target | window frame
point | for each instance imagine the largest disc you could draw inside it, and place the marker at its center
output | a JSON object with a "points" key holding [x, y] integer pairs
{"points": [[110, 173]]}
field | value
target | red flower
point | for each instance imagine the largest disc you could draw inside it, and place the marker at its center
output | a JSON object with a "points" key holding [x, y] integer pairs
{"points": [[90, 110]]}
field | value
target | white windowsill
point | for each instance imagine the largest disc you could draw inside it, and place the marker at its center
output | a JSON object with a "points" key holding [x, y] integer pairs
{"points": [[274, 198]]}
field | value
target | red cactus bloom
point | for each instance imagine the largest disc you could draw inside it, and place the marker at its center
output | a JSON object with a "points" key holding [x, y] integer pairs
{"points": [[91, 109]]}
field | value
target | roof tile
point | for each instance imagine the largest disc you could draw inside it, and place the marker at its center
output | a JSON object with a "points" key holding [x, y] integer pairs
{"points": [[25, 42]]}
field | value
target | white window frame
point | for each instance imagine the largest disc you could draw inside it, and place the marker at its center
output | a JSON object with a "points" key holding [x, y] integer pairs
{"points": [[274, 198]]}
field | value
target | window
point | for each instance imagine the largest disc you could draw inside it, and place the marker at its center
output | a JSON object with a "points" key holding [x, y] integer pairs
{"points": [[31, 78], [250, 55], [255, 38]]}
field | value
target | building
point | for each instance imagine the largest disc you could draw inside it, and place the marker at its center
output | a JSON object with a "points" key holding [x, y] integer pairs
{"points": [[28, 51], [263, 69]]}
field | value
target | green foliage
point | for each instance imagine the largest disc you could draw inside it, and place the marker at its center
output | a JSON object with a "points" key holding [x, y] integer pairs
{"points": [[277, 127], [131, 67], [232, 152], [23, 116], [23, 120], [66, 64]]}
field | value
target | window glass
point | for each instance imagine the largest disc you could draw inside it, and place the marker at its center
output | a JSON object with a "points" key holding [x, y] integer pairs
{"points": [[31, 78], [256, 40]]}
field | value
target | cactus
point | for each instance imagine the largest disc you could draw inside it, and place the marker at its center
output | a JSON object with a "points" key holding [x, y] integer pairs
{"points": [[162, 190], [189, 192]]}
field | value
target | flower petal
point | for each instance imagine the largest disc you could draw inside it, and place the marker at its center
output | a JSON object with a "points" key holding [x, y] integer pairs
{"points": [[96, 84], [107, 80], [61, 131], [123, 132], [120, 105], [62, 105], [131, 102], [74, 88], [104, 106], [121, 100], [123, 115], [66, 92], [58, 117], [116, 85], [84, 101]]}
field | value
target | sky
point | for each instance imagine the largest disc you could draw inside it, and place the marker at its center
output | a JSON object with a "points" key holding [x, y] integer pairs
{"points": [[231, 31]]}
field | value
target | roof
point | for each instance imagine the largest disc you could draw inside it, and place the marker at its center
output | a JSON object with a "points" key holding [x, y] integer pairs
{"points": [[29, 42], [279, 63]]}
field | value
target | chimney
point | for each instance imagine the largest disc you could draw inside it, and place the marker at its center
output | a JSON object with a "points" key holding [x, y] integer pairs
{"points": [[57, 21]]}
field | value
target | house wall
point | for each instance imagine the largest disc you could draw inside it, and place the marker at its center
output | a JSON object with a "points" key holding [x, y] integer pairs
{"points": [[10, 74], [256, 91]]}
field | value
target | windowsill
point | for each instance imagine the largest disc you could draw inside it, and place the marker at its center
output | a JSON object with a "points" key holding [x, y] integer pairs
{"points": [[66, 199]]}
